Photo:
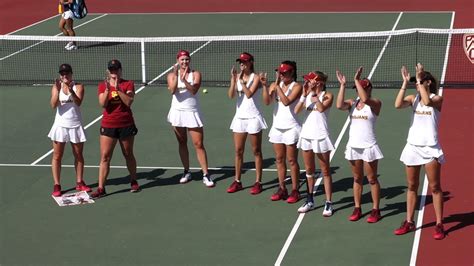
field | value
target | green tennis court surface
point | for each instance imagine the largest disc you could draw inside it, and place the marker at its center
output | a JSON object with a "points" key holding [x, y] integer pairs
{"points": [[172, 224]]}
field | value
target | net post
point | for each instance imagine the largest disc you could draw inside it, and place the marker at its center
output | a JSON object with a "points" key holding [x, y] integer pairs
{"points": [[142, 52]]}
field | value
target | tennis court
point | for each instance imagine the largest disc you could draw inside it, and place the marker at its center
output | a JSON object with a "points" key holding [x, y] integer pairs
{"points": [[172, 224]]}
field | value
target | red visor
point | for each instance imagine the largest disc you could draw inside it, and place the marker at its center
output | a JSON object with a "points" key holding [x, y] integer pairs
{"points": [[283, 68], [244, 57], [182, 53]]}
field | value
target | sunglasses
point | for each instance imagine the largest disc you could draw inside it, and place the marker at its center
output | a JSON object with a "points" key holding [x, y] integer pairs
{"points": [[64, 73]]}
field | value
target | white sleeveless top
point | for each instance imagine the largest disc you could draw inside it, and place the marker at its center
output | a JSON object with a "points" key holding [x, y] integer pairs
{"points": [[424, 124], [183, 99], [247, 107], [284, 117], [315, 125], [362, 129], [68, 114]]}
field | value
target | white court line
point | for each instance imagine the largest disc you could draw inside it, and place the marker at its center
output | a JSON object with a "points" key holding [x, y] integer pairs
{"points": [[31, 25], [38, 43], [137, 91], [138, 167], [341, 134], [424, 192]]}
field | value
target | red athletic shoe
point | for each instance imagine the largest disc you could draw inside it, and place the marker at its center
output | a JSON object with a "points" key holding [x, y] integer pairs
{"points": [[234, 187], [405, 228], [374, 216], [356, 214], [256, 189], [439, 232], [294, 196], [134, 187], [281, 194], [57, 191], [100, 192], [81, 186]]}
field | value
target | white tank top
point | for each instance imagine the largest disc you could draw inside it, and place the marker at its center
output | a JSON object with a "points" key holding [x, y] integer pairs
{"points": [[68, 114], [315, 125], [424, 124], [183, 99], [284, 117], [247, 107], [362, 129]]}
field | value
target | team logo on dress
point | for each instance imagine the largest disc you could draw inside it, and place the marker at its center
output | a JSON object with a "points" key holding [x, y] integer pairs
{"points": [[468, 44]]}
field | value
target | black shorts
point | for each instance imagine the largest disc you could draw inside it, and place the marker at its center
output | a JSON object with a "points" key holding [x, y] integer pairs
{"points": [[119, 133]]}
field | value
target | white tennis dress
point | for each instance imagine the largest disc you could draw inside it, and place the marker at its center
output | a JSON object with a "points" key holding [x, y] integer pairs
{"points": [[315, 131], [286, 127], [422, 143], [362, 144], [185, 110], [248, 116], [67, 125]]}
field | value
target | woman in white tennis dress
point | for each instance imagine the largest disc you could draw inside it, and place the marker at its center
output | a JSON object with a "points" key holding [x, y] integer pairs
{"points": [[362, 150], [422, 148], [314, 137], [66, 97], [285, 131], [185, 116], [248, 119]]}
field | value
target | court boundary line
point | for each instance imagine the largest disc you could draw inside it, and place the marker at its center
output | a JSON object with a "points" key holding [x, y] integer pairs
{"points": [[138, 167], [286, 12], [424, 193], [341, 134], [38, 43], [31, 25], [136, 92]]}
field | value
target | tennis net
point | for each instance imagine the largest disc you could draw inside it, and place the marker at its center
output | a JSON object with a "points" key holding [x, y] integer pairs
{"points": [[27, 60]]}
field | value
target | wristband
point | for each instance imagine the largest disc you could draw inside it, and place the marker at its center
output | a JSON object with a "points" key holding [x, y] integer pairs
{"points": [[302, 99]]}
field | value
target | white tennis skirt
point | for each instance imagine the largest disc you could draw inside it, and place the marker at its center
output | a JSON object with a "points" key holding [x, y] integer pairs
{"points": [[317, 145], [284, 136], [187, 119], [64, 134], [248, 125], [68, 14], [420, 155], [365, 154]]}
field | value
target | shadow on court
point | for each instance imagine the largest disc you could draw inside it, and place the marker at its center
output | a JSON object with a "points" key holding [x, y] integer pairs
{"points": [[461, 221]]}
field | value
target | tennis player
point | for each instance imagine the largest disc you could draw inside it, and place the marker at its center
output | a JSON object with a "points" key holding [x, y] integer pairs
{"points": [[66, 98], [116, 96], [314, 137], [362, 150], [185, 114], [248, 119], [66, 23], [285, 131], [422, 148]]}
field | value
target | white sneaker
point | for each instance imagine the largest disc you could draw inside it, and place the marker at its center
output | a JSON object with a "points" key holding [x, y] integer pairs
{"points": [[68, 45], [207, 181], [72, 47], [185, 178], [307, 206], [327, 209]]}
